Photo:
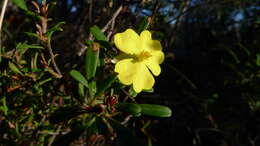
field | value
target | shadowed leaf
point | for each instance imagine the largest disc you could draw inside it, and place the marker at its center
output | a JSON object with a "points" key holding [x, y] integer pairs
{"points": [[65, 113]]}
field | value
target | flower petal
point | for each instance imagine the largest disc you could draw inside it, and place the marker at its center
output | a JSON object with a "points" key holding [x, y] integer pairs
{"points": [[126, 70], [128, 41], [148, 44], [154, 67], [156, 56], [143, 78]]}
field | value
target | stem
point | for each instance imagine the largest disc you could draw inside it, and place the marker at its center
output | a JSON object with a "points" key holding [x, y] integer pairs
{"points": [[90, 11], [112, 19], [2, 18], [110, 22], [53, 58]]}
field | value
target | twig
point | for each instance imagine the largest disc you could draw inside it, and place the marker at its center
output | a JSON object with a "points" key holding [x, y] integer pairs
{"points": [[53, 133], [126, 119], [112, 19], [54, 136], [3, 13], [42, 29], [155, 11], [53, 59], [2, 17], [110, 22], [110, 32], [90, 11]]}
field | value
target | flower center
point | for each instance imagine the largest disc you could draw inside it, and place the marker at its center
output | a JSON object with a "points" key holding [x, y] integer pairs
{"points": [[144, 55]]}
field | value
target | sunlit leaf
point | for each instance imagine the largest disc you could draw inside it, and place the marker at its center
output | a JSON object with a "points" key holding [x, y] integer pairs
{"points": [[4, 107], [132, 92], [155, 110], [131, 108], [22, 47], [81, 90], [92, 88], [79, 77], [91, 59], [55, 28], [21, 4], [32, 34], [149, 90], [97, 33], [14, 68]]}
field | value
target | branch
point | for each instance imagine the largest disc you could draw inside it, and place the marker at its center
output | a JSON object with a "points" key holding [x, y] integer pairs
{"points": [[53, 59], [110, 22], [112, 19], [2, 17]]}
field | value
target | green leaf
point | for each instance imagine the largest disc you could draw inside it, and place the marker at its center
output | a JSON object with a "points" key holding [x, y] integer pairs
{"points": [[79, 77], [148, 90], [33, 15], [92, 88], [21, 4], [131, 108], [92, 58], [4, 107], [144, 24], [31, 34], [55, 28], [97, 33], [14, 68], [258, 59], [23, 46], [44, 81], [81, 90], [65, 113], [155, 110], [106, 84], [132, 92]]}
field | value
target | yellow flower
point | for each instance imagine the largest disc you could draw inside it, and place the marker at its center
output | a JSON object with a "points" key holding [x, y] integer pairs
{"points": [[140, 56]]}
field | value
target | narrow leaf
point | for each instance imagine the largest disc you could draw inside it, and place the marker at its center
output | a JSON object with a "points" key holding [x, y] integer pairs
{"points": [[106, 84], [148, 90], [258, 59], [81, 90], [30, 34], [97, 33], [132, 92], [14, 68], [131, 108], [55, 28], [144, 24], [79, 77], [92, 58], [92, 88], [155, 110], [21, 4]]}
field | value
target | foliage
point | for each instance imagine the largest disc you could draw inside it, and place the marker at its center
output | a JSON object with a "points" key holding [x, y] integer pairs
{"points": [[58, 85]]}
